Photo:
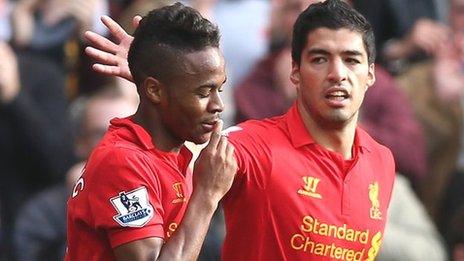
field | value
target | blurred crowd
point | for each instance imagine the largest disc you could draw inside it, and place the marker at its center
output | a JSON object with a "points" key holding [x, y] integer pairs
{"points": [[54, 109]]}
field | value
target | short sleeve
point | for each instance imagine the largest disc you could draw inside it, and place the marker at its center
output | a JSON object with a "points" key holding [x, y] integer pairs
{"points": [[254, 158], [391, 173], [125, 200]]}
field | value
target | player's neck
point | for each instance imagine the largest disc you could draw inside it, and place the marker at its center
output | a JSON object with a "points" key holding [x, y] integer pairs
{"points": [[161, 137], [340, 139]]}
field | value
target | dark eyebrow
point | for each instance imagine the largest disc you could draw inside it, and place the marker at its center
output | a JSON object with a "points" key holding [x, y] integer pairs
{"points": [[352, 53], [317, 51], [211, 85], [325, 52]]}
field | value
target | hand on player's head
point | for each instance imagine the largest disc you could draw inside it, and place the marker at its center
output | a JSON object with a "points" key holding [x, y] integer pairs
{"points": [[111, 57]]}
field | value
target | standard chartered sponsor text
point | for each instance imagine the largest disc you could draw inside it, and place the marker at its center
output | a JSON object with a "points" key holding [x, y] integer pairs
{"points": [[312, 225], [301, 242]]}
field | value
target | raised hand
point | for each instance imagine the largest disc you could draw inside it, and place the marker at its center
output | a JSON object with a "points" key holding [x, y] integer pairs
{"points": [[215, 168], [111, 57]]}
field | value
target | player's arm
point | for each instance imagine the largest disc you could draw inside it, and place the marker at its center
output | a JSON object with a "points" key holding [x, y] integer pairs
{"points": [[145, 249], [213, 176]]}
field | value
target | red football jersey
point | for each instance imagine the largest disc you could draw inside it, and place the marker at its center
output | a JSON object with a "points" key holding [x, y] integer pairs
{"points": [[129, 190], [292, 199]]}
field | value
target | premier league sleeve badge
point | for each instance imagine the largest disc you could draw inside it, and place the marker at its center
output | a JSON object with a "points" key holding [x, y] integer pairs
{"points": [[133, 207]]}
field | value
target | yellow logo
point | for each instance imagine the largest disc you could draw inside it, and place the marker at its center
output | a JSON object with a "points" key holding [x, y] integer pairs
{"points": [[179, 193], [310, 187], [376, 241], [172, 227], [374, 198]]}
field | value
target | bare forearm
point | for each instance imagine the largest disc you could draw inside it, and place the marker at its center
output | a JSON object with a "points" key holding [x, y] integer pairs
{"points": [[187, 240], [213, 176]]}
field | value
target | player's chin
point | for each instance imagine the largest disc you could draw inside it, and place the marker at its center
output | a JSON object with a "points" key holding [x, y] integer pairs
{"points": [[201, 138]]}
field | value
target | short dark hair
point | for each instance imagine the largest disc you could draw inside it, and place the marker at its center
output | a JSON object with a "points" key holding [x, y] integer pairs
{"points": [[163, 36], [332, 14]]}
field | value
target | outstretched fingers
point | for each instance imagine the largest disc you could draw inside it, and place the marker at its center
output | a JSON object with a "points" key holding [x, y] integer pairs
{"points": [[111, 57], [102, 56], [115, 29], [106, 69], [101, 42]]}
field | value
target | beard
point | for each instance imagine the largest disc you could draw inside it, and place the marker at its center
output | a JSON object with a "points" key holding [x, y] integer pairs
{"points": [[335, 119]]}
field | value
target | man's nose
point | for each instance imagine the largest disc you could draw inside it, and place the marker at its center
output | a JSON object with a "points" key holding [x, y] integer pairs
{"points": [[337, 71], [216, 105]]}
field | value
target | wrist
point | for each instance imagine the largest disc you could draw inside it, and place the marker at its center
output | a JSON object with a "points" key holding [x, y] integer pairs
{"points": [[207, 199]]}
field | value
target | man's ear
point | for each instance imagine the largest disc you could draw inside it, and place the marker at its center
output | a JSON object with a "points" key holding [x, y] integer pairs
{"points": [[295, 74], [153, 89], [371, 75]]}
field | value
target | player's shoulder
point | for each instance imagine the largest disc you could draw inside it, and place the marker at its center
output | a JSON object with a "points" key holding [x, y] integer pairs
{"points": [[256, 128], [368, 141], [117, 152], [108, 159], [382, 152]]}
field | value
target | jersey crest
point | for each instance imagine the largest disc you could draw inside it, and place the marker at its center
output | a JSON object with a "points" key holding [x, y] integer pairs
{"points": [[134, 208]]}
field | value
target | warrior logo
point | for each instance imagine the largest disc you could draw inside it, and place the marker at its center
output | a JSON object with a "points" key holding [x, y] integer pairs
{"points": [[310, 187]]}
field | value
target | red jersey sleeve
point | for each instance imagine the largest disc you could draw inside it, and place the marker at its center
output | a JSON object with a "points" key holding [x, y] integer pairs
{"points": [[391, 167], [252, 153], [126, 201]]}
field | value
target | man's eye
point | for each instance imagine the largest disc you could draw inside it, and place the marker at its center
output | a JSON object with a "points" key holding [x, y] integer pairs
{"points": [[318, 60], [352, 61], [204, 94]]}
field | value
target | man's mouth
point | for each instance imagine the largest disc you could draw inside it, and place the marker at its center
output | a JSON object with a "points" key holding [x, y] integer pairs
{"points": [[208, 126], [337, 96]]}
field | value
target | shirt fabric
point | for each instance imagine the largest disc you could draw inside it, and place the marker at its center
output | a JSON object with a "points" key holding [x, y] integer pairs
{"points": [[129, 191], [295, 200]]}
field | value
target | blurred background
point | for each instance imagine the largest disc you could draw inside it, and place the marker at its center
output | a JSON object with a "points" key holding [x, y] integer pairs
{"points": [[54, 109]]}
